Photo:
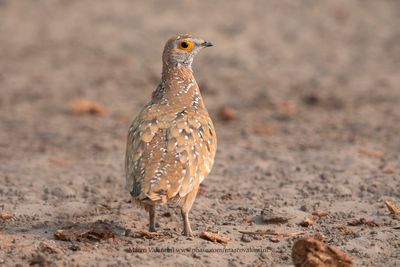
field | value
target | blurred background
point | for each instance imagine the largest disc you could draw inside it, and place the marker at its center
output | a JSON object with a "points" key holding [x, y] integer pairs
{"points": [[305, 96]]}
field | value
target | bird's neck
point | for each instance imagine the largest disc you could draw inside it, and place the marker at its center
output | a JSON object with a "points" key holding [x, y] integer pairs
{"points": [[176, 71], [178, 87]]}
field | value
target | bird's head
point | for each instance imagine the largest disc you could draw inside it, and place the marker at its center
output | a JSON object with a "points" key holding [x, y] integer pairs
{"points": [[181, 49]]}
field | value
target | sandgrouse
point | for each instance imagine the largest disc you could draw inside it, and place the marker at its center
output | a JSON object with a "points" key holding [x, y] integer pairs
{"points": [[172, 142]]}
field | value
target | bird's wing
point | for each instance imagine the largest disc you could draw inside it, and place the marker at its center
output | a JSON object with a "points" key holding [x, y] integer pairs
{"points": [[169, 156]]}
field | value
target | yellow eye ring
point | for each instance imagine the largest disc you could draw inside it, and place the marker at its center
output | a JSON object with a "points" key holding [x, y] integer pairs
{"points": [[186, 45]]}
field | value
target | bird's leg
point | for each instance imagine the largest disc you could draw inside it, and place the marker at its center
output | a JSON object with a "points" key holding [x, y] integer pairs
{"points": [[187, 230], [152, 219], [187, 205]]}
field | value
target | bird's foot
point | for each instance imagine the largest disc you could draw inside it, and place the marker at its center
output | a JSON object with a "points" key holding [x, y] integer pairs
{"points": [[187, 232]]}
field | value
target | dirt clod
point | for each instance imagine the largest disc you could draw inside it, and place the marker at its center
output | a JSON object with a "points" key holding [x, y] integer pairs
{"points": [[39, 260], [362, 221], [345, 229], [392, 207], [310, 220], [86, 106], [49, 247], [5, 216], [214, 237], [371, 152], [320, 213], [309, 252], [60, 161], [151, 235], [387, 168], [266, 128], [319, 236], [287, 109], [227, 113], [270, 216], [92, 232], [272, 233]]}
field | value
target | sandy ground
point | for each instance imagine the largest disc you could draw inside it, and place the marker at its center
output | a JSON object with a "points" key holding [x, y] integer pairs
{"points": [[316, 88]]}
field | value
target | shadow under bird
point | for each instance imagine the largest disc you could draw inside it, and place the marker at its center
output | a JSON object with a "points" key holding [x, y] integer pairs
{"points": [[172, 142]]}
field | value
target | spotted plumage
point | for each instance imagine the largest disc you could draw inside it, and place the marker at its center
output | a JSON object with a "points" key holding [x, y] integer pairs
{"points": [[172, 142]]}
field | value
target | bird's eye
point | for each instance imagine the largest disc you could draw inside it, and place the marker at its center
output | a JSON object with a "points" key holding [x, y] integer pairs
{"points": [[186, 45]]}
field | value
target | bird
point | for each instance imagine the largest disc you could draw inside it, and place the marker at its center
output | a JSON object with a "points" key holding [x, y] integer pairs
{"points": [[172, 142]]}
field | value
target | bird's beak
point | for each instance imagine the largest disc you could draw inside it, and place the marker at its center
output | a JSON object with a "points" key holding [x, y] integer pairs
{"points": [[207, 44]]}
